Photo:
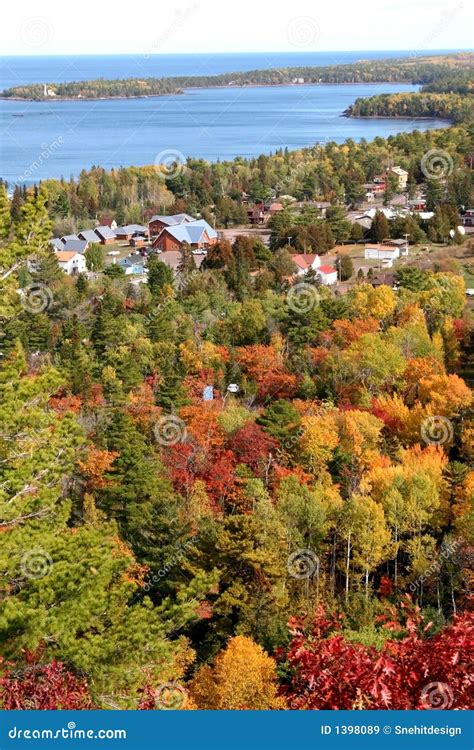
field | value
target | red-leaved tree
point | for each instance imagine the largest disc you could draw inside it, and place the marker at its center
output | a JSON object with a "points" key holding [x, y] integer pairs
{"points": [[415, 672], [48, 687]]}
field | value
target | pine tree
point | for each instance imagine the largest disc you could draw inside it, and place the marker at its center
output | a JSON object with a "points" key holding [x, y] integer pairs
{"points": [[379, 229], [75, 592], [33, 229]]}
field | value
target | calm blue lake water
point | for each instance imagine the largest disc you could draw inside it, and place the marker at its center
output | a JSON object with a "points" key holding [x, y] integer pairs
{"points": [[53, 139]]}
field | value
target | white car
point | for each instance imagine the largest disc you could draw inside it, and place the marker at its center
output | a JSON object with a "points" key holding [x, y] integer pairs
{"points": [[470, 292], [114, 252]]}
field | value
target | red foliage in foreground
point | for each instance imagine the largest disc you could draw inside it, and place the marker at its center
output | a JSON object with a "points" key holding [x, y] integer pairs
{"points": [[43, 687], [416, 672]]}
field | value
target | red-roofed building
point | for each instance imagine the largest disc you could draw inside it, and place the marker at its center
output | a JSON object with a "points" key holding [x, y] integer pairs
{"points": [[275, 208], [328, 275], [305, 261]]}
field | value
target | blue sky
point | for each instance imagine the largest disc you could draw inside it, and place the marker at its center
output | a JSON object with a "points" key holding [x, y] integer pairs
{"points": [[98, 26]]}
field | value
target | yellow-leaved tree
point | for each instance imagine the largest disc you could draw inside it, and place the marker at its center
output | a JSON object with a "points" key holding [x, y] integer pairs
{"points": [[243, 678]]}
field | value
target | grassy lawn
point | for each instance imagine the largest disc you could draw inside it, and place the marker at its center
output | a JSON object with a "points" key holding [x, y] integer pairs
{"points": [[123, 248], [468, 276]]}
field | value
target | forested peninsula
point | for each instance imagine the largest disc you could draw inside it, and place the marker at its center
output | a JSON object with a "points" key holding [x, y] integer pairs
{"points": [[450, 95], [425, 71]]}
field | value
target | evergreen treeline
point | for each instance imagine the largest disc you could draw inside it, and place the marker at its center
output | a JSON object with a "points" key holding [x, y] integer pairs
{"points": [[410, 70], [448, 95], [333, 172]]}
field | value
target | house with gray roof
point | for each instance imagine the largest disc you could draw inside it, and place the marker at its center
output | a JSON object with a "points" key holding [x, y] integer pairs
{"points": [[75, 246], [157, 223], [199, 235], [106, 235], [130, 230], [57, 243], [89, 235], [133, 264]]}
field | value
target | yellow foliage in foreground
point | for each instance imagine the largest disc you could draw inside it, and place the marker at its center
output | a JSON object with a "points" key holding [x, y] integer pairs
{"points": [[242, 678]]}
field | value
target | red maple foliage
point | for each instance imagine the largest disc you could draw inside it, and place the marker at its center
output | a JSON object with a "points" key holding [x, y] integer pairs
{"points": [[386, 586], [416, 672], [62, 403], [252, 446], [265, 366], [45, 687]]}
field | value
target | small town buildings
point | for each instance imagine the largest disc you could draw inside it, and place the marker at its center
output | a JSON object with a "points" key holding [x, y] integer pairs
{"points": [[417, 204], [275, 208], [256, 214], [133, 264], [381, 252], [363, 221], [57, 243], [158, 223], [327, 275], [402, 176], [130, 230], [67, 237], [311, 262], [199, 235], [383, 279], [320, 206], [467, 219], [89, 235], [402, 245], [105, 234], [305, 261], [375, 188], [75, 246], [138, 242], [70, 262]]}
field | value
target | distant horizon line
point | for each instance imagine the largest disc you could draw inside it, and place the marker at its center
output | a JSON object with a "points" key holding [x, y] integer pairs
{"points": [[240, 52]]}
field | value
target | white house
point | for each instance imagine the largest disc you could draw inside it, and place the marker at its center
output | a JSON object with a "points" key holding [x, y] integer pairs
{"points": [[70, 262], [400, 243], [381, 252], [467, 219], [133, 264], [327, 274], [304, 262]]}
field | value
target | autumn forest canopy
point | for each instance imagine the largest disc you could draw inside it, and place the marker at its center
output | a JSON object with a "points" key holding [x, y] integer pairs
{"points": [[302, 539]]}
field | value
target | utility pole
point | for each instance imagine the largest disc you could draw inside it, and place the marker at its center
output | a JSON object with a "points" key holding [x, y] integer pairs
{"points": [[406, 235]]}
